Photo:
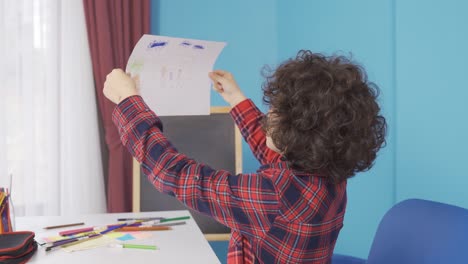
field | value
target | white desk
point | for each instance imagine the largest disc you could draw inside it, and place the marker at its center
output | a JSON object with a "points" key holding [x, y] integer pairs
{"points": [[182, 244]]}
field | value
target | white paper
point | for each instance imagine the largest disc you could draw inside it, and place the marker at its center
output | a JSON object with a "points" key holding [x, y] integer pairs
{"points": [[173, 73], [89, 244]]}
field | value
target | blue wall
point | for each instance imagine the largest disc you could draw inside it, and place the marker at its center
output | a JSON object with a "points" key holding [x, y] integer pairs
{"points": [[418, 61], [248, 48], [432, 100]]}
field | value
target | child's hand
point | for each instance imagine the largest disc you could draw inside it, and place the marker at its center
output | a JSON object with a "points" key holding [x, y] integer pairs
{"points": [[226, 86], [118, 86]]}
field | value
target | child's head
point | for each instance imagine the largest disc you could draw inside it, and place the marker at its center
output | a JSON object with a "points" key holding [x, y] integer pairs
{"points": [[324, 117]]}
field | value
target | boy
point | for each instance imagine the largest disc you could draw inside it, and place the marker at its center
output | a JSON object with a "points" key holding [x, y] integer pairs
{"points": [[323, 127]]}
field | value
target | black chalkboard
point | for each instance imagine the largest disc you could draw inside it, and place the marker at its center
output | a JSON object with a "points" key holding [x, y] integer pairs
{"points": [[207, 139]]}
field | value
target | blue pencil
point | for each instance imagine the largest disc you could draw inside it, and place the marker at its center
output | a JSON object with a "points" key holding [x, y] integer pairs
{"points": [[140, 219], [113, 228]]}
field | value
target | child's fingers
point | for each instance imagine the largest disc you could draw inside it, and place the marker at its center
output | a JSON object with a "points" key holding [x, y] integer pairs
{"points": [[217, 87], [224, 74], [220, 72], [215, 77], [217, 81]]}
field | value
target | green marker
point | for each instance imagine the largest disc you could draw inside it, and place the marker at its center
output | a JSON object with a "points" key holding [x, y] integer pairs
{"points": [[174, 219], [151, 247]]}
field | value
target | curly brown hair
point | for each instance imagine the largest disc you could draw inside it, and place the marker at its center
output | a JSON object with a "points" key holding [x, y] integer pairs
{"points": [[324, 117]]}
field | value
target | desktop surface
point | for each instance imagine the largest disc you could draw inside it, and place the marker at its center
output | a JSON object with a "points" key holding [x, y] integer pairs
{"points": [[182, 244]]}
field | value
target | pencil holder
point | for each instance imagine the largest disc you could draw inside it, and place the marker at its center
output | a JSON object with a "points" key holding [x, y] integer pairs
{"points": [[7, 223]]}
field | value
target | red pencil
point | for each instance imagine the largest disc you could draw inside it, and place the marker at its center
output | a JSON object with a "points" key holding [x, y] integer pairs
{"points": [[76, 231]]}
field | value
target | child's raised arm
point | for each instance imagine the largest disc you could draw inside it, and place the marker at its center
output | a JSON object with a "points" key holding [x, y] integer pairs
{"points": [[217, 193], [246, 115]]}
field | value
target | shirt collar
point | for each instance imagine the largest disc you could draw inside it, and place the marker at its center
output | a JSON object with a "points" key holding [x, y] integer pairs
{"points": [[282, 164]]}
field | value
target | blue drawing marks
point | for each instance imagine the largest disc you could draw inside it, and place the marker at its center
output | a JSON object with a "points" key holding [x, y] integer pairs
{"points": [[159, 44], [185, 44], [155, 44], [194, 46]]}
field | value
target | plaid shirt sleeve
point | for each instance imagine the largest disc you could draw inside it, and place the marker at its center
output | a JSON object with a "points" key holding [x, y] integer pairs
{"points": [[244, 202], [248, 118]]}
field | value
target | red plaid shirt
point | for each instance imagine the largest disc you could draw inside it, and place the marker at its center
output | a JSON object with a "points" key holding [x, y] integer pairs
{"points": [[277, 215]]}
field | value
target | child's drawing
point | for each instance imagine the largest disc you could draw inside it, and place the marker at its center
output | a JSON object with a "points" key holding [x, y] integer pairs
{"points": [[171, 67]]}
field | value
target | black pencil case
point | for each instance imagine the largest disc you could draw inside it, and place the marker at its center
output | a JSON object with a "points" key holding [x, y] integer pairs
{"points": [[17, 247]]}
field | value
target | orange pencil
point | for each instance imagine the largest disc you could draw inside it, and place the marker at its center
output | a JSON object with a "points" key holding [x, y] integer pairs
{"points": [[145, 228]]}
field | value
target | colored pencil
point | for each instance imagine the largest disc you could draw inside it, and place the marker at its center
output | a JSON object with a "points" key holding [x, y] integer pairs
{"points": [[145, 228], [140, 219], [152, 247], [174, 219], [65, 225], [77, 231], [171, 224], [114, 228], [69, 241]]}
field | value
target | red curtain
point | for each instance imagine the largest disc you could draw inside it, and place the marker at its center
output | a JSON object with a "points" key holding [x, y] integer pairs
{"points": [[114, 27]]}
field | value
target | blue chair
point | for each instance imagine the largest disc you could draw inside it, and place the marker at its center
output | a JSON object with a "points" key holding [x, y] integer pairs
{"points": [[221, 249], [418, 231]]}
